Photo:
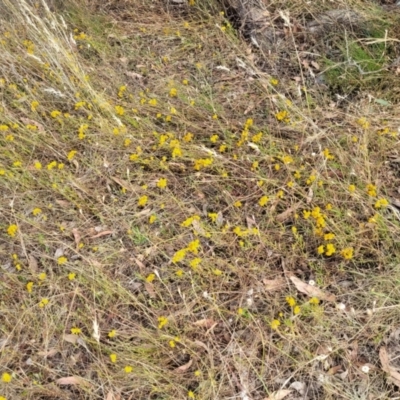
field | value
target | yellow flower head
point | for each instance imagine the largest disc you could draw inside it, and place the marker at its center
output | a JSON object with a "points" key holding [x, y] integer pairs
{"points": [[291, 301], [275, 324], [76, 331], [112, 333], [263, 201], [12, 230], [6, 377], [162, 183], [62, 260], [347, 253], [142, 201]]}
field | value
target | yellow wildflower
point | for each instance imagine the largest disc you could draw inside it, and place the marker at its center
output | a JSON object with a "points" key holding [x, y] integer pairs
{"points": [[62, 260], [37, 165], [71, 155], [162, 321], [55, 113], [296, 310], [12, 230], [142, 201], [36, 211], [76, 331], [113, 358], [112, 333], [43, 302], [214, 138], [188, 137], [119, 110], [275, 324], [314, 301], [347, 253], [327, 154], [352, 188], [152, 219], [381, 203], [193, 246], [42, 276], [195, 262], [150, 278], [371, 190], [34, 105], [189, 221], [282, 116], [321, 249], [29, 287], [6, 377], [128, 369], [329, 236], [291, 301], [162, 183], [179, 256], [71, 276], [213, 216], [263, 201], [330, 249], [173, 92]]}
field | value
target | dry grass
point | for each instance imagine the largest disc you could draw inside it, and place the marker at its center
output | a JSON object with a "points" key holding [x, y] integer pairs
{"points": [[157, 197]]}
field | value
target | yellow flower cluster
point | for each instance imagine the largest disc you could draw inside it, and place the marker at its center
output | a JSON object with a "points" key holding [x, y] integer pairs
{"points": [[202, 163]]}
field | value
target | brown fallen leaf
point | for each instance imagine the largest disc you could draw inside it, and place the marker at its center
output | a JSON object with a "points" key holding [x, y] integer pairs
{"points": [[33, 264], [70, 338], [150, 289], [28, 121], [283, 216], [184, 367], [201, 344], [104, 233], [77, 237], [72, 380], [312, 291], [49, 353], [205, 323], [335, 370], [279, 394], [112, 396], [273, 284], [139, 264], [393, 373]]}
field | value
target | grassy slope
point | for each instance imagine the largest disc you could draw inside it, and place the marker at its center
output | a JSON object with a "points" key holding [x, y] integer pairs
{"points": [[164, 202]]}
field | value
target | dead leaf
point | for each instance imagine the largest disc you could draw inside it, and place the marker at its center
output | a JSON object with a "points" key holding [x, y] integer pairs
{"points": [[59, 252], [205, 323], [28, 121], [49, 353], [335, 370], [77, 237], [63, 203], [279, 394], [312, 291], [315, 65], [394, 374], [112, 396], [72, 380], [184, 367], [273, 284], [283, 216], [201, 344], [139, 264], [104, 233], [133, 75], [96, 330], [33, 264], [150, 289], [70, 338]]}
